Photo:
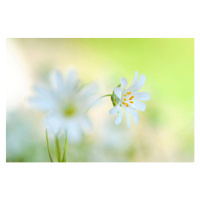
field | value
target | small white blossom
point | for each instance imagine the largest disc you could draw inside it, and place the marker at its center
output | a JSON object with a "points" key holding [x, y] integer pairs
{"points": [[129, 99], [65, 103]]}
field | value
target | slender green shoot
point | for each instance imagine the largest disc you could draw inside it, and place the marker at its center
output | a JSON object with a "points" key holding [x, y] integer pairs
{"points": [[48, 147], [58, 148], [65, 149], [107, 95]]}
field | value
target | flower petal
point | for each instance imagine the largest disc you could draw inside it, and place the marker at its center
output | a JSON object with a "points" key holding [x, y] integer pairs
{"points": [[134, 80], [72, 79], [73, 130], [127, 116], [139, 84], [118, 92], [134, 114], [57, 80], [139, 105], [85, 122], [114, 110], [123, 83], [53, 123], [42, 103], [142, 96], [119, 117], [43, 91]]}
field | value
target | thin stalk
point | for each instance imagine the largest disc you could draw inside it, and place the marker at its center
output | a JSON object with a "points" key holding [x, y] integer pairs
{"points": [[58, 148], [65, 150], [48, 146], [107, 95]]}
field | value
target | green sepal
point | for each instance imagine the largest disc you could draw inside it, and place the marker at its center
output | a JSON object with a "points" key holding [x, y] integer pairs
{"points": [[115, 100]]}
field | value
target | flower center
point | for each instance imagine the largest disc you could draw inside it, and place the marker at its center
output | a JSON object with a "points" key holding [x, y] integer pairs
{"points": [[69, 110], [127, 99]]}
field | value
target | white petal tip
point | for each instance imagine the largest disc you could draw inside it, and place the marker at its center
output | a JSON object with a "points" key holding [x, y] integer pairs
{"points": [[114, 110], [123, 83], [143, 77], [148, 97], [111, 112], [116, 122], [143, 109]]}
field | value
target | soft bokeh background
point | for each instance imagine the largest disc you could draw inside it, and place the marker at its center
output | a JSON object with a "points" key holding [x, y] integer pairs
{"points": [[166, 129]]}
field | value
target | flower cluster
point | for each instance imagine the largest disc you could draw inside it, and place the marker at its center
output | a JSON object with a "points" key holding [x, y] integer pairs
{"points": [[66, 103]]}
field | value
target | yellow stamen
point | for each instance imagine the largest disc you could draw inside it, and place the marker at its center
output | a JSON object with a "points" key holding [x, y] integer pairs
{"points": [[131, 101], [127, 105], [125, 95], [123, 103], [132, 96], [128, 92], [124, 99]]}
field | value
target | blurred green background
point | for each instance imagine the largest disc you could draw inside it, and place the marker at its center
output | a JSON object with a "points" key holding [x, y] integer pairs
{"points": [[165, 131]]}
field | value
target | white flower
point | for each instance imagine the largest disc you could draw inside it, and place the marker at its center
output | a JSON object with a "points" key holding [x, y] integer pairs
{"points": [[65, 103], [129, 99]]}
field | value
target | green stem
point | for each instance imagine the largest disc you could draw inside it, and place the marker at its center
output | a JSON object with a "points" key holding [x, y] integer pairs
{"points": [[65, 149], [107, 95], [58, 148], [48, 146]]}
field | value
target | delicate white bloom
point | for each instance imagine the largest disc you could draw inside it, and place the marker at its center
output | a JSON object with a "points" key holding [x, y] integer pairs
{"points": [[129, 99], [65, 103]]}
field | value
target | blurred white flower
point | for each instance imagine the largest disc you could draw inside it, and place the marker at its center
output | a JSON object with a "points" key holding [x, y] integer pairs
{"points": [[129, 99], [65, 102]]}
